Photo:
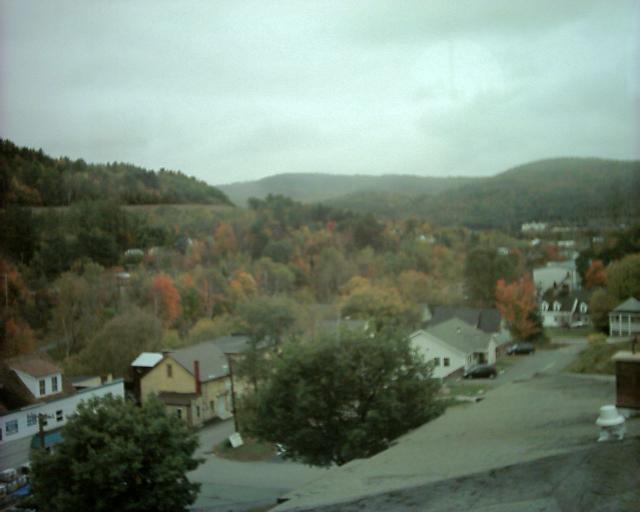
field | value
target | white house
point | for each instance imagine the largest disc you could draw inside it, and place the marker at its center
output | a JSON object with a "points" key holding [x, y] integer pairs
{"points": [[625, 319], [555, 275], [18, 427], [446, 359], [565, 311], [453, 346]]}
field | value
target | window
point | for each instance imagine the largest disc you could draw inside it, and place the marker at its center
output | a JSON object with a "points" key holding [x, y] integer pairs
{"points": [[54, 384], [447, 362], [179, 413], [556, 306], [43, 387], [32, 419], [59, 415], [436, 360], [169, 371], [583, 308], [211, 406], [11, 427], [198, 411], [545, 306]]}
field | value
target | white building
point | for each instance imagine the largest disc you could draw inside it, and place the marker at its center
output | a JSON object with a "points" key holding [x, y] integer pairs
{"points": [[35, 383], [453, 346], [555, 275]]}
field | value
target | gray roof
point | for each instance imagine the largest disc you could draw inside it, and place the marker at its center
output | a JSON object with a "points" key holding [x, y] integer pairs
{"points": [[487, 320], [212, 361], [460, 335], [631, 305]]}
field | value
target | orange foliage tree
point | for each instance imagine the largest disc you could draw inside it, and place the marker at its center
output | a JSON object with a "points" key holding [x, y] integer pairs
{"points": [[517, 304], [166, 299], [16, 337], [596, 275]]}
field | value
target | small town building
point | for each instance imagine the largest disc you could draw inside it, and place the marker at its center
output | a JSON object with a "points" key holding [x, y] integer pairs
{"points": [[565, 309], [624, 320], [193, 382], [557, 275], [454, 346], [35, 402]]}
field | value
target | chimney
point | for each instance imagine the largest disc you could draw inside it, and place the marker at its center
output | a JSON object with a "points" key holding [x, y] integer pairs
{"points": [[196, 376]]}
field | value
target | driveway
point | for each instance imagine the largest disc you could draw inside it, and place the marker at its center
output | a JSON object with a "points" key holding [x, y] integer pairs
{"points": [[231, 486]]}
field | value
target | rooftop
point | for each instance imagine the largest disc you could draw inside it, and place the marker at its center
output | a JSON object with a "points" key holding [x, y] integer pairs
{"points": [[460, 335], [35, 364]]}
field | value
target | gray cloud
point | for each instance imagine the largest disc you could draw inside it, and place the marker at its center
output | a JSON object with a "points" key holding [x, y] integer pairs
{"points": [[238, 90]]}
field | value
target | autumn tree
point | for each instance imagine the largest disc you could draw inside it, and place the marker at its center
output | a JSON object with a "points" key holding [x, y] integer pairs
{"points": [[225, 240], [16, 336], [382, 305], [517, 304], [595, 275], [166, 299]]}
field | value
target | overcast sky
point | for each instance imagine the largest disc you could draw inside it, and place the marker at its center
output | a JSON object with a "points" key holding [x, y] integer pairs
{"points": [[238, 90]]}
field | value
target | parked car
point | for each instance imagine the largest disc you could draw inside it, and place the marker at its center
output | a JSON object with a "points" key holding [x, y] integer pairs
{"points": [[481, 371], [523, 347]]}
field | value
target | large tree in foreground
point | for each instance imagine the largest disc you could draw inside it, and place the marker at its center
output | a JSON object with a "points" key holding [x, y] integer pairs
{"points": [[116, 456], [335, 400]]}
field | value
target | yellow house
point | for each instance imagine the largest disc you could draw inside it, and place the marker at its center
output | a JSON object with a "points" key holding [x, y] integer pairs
{"points": [[193, 382]]}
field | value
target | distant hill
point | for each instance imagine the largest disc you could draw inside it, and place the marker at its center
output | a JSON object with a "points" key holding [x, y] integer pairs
{"points": [[312, 188], [560, 189], [31, 178]]}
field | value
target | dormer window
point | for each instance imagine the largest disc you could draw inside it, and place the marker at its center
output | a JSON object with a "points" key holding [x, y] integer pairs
{"points": [[545, 306], [54, 384], [556, 306], [43, 387], [583, 308]]}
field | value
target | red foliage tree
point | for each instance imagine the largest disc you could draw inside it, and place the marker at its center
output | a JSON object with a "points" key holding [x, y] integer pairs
{"points": [[517, 304], [596, 275], [166, 299]]}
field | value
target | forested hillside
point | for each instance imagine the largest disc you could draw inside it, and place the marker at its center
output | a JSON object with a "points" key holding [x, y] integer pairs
{"points": [[31, 178], [311, 188], [564, 189]]}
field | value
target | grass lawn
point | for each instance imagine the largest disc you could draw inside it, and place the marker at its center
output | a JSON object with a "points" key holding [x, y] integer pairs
{"points": [[250, 451], [596, 359]]}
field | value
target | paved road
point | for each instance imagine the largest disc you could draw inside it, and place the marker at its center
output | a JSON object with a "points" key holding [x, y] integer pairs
{"points": [[229, 486]]}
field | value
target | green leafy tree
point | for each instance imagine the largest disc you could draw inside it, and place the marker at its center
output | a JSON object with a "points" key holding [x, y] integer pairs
{"points": [[332, 401], [117, 456], [600, 305], [483, 268], [118, 343], [267, 320], [623, 277]]}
